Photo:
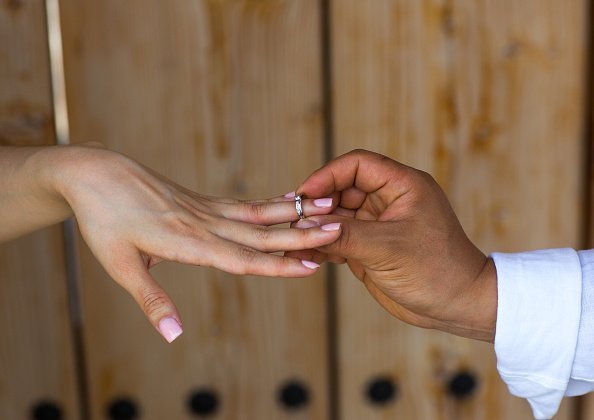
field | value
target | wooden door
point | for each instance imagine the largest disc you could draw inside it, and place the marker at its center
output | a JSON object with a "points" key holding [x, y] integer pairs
{"points": [[225, 97]]}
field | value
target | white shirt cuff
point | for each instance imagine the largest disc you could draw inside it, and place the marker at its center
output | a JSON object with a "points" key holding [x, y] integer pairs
{"points": [[582, 374], [538, 316]]}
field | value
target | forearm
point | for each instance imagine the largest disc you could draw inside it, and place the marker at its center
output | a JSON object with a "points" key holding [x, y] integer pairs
{"points": [[29, 198]]}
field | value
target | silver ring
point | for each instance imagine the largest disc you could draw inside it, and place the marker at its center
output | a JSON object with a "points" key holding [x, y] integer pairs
{"points": [[298, 207]]}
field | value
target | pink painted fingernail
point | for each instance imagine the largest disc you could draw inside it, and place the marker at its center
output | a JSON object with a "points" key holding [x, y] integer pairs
{"points": [[323, 202], [290, 194], [310, 264], [170, 329], [331, 226]]}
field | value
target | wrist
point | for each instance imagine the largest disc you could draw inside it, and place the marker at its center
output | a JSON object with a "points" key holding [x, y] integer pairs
{"points": [[43, 166], [29, 200], [67, 168], [476, 314], [483, 318]]}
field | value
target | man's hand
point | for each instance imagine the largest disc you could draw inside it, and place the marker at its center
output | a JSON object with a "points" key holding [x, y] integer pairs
{"points": [[402, 239]]}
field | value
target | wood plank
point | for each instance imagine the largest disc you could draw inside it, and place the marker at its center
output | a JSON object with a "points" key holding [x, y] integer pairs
{"points": [[486, 96], [36, 354], [587, 401], [223, 97]]}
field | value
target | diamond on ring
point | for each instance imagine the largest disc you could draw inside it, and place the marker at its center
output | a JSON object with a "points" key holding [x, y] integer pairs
{"points": [[298, 207]]}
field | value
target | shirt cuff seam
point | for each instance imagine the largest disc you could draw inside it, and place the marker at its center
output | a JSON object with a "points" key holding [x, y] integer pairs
{"points": [[543, 381], [578, 378]]}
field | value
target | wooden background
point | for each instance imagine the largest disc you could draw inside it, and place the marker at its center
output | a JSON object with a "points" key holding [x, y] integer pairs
{"points": [[245, 98]]}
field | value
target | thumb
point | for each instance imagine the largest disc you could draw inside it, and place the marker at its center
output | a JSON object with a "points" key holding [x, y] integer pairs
{"points": [[354, 240], [132, 274]]}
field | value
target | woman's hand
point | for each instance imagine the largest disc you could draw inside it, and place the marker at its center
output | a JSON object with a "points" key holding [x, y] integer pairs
{"points": [[402, 239], [133, 218]]}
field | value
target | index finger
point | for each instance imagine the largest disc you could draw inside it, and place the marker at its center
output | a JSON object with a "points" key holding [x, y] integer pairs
{"points": [[365, 170]]}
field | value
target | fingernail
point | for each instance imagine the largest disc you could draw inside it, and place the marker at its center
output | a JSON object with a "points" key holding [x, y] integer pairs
{"points": [[323, 202], [290, 194], [310, 264], [306, 224], [331, 226], [170, 329]]}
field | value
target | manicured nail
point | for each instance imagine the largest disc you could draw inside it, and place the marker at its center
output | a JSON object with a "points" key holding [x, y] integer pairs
{"points": [[170, 329], [290, 194], [306, 224], [323, 202], [331, 226], [310, 264]]}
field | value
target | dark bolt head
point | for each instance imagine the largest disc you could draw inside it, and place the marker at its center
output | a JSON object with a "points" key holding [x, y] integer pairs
{"points": [[462, 385], [381, 390], [293, 395], [46, 410], [203, 402], [122, 409]]}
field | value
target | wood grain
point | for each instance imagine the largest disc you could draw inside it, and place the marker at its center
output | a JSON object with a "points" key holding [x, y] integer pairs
{"points": [[485, 95], [224, 98], [36, 357]]}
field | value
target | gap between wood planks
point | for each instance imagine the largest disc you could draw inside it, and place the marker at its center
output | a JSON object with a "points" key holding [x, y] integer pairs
{"points": [[62, 133], [581, 408], [328, 153]]}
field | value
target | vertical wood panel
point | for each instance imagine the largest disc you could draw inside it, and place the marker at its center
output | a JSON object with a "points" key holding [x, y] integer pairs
{"points": [[36, 357], [221, 96], [587, 401], [485, 95]]}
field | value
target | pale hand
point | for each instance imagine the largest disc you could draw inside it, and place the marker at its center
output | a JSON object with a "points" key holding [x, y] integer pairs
{"points": [[133, 218]]}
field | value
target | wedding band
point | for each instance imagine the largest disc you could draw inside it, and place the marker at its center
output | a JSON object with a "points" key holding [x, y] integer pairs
{"points": [[298, 207]]}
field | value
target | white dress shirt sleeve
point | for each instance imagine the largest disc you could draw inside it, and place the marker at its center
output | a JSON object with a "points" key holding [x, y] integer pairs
{"points": [[538, 319], [582, 373]]}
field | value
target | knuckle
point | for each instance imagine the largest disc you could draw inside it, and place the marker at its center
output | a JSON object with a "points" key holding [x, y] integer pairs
{"points": [[383, 159], [247, 256], [178, 223], [367, 154], [154, 302], [257, 209], [360, 152], [304, 235], [94, 144], [263, 233], [281, 265], [424, 179], [424, 175]]}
